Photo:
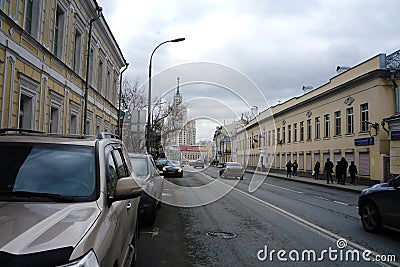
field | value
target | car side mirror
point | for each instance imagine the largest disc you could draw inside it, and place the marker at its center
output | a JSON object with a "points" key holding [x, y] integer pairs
{"points": [[127, 188]]}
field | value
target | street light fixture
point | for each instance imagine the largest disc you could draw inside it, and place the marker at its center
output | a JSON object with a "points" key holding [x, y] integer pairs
{"points": [[149, 96], [99, 10]]}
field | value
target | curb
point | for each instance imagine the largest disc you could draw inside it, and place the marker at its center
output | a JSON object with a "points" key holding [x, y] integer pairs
{"points": [[346, 189]]}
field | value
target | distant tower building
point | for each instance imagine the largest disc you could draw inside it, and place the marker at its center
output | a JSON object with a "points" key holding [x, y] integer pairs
{"points": [[181, 131]]}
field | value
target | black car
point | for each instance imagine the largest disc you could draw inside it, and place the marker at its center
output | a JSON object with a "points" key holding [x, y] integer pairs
{"points": [[378, 206], [169, 168], [144, 167]]}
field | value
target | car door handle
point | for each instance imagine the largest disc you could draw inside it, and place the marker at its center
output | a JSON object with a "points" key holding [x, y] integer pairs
{"points": [[128, 206]]}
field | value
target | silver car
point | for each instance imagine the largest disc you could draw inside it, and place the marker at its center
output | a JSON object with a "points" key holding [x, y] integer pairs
{"points": [[150, 200], [232, 169], [66, 201]]}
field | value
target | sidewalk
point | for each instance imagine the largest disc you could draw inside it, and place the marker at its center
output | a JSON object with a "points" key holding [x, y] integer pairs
{"points": [[321, 182]]}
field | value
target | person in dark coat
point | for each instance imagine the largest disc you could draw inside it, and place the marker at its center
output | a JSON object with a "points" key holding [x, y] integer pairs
{"points": [[317, 168], [353, 172], [343, 168], [328, 170], [338, 172], [295, 166], [289, 169]]}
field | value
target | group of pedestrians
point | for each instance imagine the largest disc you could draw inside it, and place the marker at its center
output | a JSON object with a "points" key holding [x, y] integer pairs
{"points": [[291, 168], [341, 169]]}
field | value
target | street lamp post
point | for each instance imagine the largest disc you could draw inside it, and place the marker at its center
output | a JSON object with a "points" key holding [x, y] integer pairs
{"points": [[149, 126], [99, 10]]}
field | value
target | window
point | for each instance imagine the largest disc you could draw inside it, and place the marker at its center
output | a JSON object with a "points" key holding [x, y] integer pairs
{"points": [[317, 128], [77, 51], [59, 32], [90, 74], [350, 121], [289, 133], [364, 118], [32, 15], [338, 123], [25, 112], [302, 131], [74, 124], [278, 135], [295, 132], [100, 77], [108, 85], [327, 125], [269, 138], [309, 130], [273, 137], [54, 120], [28, 15], [283, 135]]}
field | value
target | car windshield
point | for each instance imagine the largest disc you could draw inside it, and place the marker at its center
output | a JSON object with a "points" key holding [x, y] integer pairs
{"points": [[47, 170], [139, 166], [161, 162], [175, 163]]}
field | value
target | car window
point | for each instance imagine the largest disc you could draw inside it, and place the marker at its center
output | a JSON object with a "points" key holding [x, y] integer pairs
{"points": [[139, 166], [234, 164], [122, 169], [47, 168]]}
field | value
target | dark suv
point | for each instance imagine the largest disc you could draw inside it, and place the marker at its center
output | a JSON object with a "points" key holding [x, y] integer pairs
{"points": [[66, 201]]}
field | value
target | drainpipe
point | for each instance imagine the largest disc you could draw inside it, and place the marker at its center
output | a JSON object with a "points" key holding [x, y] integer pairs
{"points": [[396, 89], [119, 101]]}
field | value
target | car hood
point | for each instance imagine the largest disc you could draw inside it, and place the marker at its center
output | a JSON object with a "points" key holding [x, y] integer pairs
{"points": [[32, 227], [375, 188]]}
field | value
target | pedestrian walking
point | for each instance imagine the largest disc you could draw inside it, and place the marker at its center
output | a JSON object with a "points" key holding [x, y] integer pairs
{"points": [[338, 172], [317, 168], [343, 167], [328, 168], [353, 172], [289, 169], [295, 166]]}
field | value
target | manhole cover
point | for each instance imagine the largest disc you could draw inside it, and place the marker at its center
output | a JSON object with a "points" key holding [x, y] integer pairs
{"points": [[224, 235]]}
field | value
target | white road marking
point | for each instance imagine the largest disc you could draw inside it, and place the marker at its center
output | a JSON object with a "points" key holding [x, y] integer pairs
{"points": [[284, 188], [321, 198], [341, 203]]}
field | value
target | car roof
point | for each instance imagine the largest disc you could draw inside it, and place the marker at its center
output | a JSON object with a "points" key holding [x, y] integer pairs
{"points": [[27, 136], [47, 140]]}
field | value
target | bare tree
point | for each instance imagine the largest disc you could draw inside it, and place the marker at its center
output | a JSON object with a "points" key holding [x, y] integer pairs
{"points": [[132, 97]]}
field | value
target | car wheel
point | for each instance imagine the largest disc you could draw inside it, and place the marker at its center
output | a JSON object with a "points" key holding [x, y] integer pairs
{"points": [[370, 218]]}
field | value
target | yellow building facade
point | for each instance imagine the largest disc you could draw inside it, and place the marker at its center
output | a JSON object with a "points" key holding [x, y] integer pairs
{"points": [[43, 54], [351, 116]]}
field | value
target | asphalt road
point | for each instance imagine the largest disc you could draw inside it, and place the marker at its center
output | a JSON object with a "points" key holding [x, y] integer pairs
{"points": [[248, 229]]}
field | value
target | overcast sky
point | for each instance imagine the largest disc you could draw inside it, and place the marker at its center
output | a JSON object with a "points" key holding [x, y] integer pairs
{"points": [[278, 45]]}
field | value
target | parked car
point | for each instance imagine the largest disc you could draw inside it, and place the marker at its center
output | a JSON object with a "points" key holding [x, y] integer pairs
{"points": [[66, 201], [169, 169], [144, 167], [232, 169], [198, 163], [378, 206]]}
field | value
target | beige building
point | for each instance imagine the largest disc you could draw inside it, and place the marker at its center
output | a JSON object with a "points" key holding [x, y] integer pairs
{"points": [[350, 116], [43, 52]]}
